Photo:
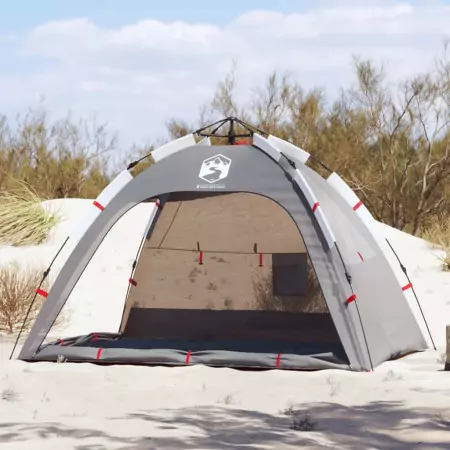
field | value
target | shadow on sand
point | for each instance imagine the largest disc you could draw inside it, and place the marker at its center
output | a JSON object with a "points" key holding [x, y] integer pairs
{"points": [[379, 425]]}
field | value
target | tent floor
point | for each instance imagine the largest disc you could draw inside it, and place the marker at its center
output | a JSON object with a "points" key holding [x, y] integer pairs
{"points": [[109, 348]]}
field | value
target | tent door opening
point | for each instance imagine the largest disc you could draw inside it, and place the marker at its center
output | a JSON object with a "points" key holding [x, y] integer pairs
{"points": [[228, 272]]}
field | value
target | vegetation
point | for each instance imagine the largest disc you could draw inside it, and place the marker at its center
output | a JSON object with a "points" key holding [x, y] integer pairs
{"points": [[24, 220], [390, 142], [438, 232], [264, 298], [18, 296], [65, 158]]}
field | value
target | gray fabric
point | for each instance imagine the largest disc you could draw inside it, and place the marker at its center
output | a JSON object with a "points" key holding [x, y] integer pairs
{"points": [[390, 326], [331, 277], [178, 357], [250, 171]]}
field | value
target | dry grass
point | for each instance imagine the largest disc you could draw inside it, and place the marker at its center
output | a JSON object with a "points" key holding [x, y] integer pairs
{"points": [[304, 423], [23, 219], [17, 290], [264, 299], [438, 234]]}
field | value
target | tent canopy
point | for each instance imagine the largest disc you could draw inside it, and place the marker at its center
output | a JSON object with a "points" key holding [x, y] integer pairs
{"points": [[250, 259]]}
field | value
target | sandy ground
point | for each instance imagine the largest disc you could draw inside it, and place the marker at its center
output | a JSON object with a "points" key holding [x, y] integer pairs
{"points": [[402, 405], [64, 406]]}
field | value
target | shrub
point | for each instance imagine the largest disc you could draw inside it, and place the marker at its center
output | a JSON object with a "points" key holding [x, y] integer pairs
{"points": [[64, 158], [264, 299], [437, 233], [17, 291], [23, 219], [304, 423]]}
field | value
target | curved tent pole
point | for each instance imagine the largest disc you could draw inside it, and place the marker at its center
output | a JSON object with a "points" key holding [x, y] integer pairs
{"points": [[349, 279], [414, 292], [297, 155], [166, 150], [231, 135], [159, 204], [347, 193], [271, 149], [38, 289], [78, 232], [163, 152], [110, 191]]}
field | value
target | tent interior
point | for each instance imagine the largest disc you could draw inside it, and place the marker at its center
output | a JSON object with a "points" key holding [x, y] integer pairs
{"points": [[224, 272]]}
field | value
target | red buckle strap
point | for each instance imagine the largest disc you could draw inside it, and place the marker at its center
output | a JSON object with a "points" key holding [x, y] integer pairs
{"points": [[358, 205], [408, 286], [42, 292], [98, 205], [278, 360]]}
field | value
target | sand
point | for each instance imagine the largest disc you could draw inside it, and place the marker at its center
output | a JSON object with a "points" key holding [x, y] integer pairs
{"points": [[404, 404]]}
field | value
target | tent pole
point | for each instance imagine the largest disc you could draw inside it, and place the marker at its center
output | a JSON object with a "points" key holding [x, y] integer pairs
{"points": [[148, 231], [349, 279], [414, 292], [35, 296]]}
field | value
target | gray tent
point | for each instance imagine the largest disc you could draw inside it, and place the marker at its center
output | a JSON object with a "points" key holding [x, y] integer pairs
{"points": [[251, 259]]}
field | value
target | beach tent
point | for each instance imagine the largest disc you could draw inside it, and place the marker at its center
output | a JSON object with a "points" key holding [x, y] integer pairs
{"points": [[250, 259]]}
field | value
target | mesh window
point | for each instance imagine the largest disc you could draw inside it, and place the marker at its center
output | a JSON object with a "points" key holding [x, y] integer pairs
{"points": [[238, 252], [290, 274]]}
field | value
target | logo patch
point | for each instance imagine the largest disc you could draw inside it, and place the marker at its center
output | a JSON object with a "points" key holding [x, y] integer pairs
{"points": [[215, 169]]}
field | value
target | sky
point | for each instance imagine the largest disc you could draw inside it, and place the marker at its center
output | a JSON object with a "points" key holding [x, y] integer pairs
{"points": [[135, 64]]}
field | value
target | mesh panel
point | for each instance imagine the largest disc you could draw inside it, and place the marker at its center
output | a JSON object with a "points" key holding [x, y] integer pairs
{"points": [[240, 236], [226, 223]]}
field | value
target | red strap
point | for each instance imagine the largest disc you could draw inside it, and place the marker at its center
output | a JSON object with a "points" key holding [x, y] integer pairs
{"points": [[95, 336], [200, 257], [62, 342], [361, 256], [408, 286], [42, 292], [358, 205], [99, 352], [188, 357], [351, 299], [98, 205], [278, 359], [132, 281], [157, 204], [315, 206]]}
